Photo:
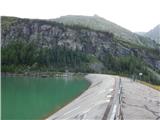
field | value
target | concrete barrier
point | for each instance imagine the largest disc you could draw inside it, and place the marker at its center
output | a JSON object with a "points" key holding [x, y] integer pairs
{"points": [[114, 111]]}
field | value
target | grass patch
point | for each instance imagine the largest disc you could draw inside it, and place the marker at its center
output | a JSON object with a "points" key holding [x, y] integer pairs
{"points": [[156, 87]]}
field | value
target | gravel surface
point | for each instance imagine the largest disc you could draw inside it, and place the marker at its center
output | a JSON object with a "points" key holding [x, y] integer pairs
{"points": [[140, 102]]}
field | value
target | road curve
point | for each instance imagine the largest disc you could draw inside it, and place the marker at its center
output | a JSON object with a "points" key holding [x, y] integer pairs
{"points": [[92, 103]]}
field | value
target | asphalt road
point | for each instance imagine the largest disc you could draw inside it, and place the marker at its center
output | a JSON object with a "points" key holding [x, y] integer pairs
{"points": [[140, 102], [92, 103]]}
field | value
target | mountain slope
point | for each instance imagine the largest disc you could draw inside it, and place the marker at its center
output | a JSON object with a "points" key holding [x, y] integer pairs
{"points": [[100, 24], [43, 45], [154, 34]]}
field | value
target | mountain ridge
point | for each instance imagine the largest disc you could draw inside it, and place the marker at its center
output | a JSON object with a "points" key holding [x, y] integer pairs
{"points": [[101, 24], [153, 34], [46, 45]]}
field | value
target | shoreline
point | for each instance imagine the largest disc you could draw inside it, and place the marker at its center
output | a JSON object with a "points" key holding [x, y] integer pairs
{"points": [[98, 93], [102, 85], [41, 74], [51, 113]]}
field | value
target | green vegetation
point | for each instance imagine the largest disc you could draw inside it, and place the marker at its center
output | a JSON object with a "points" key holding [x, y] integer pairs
{"points": [[7, 21], [156, 87], [100, 24], [155, 49], [122, 64], [22, 56], [129, 66]]}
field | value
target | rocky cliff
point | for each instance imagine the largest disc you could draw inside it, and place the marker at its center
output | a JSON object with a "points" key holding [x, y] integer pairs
{"points": [[51, 34]]}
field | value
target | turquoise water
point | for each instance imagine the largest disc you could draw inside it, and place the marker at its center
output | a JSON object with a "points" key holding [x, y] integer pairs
{"points": [[28, 98]]}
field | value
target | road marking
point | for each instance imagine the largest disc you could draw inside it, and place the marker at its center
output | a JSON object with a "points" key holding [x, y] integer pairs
{"points": [[71, 110], [108, 100], [110, 89], [109, 96], [101, 102], [113, 112], [80, 113], [84, 116], [86, 111]]}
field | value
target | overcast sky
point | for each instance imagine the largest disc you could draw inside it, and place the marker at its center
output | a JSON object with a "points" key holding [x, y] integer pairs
{"points": [[135, 15]]}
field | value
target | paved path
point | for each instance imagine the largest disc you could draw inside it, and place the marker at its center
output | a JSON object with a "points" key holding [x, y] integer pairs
{"points": [[92, 103], [140, 102]]}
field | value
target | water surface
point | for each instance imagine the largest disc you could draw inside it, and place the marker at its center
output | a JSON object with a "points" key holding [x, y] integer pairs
{"points": [[29, 98]]}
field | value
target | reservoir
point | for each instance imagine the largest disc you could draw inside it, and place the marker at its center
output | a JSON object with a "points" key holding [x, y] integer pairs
{"points": [[35, 98]]}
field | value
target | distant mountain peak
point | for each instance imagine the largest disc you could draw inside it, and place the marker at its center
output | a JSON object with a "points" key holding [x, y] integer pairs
{"points": [[154, 34]]}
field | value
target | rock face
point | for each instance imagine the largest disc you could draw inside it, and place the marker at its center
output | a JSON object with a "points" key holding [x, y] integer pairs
{"points": [[154, 34], [51, 34]]}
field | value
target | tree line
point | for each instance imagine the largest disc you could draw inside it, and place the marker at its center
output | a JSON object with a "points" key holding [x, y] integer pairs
{"points": [[21, 53]]}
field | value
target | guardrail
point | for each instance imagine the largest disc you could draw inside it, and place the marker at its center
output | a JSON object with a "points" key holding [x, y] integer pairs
{"points": [[114, 109]]}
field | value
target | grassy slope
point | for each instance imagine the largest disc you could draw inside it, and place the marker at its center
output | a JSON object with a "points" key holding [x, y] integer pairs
{"points": [[155, 73], [100, 24], [156, 87]]}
